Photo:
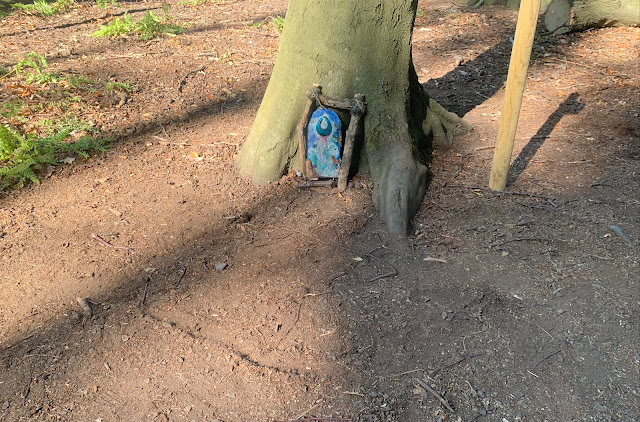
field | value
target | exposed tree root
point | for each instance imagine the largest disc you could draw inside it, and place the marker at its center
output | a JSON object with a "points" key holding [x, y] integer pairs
{"points": [[443, 125]]}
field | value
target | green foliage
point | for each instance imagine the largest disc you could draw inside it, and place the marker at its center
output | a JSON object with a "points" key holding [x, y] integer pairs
{"points": [[44, 8], [148, 27], [32, 68], [278, 22], [61, 6], [22, 156], [79, 81], [38, 7], [67, 122], [198, 2], [11, 108], [116, 28], [117, 86], [106, 3]]}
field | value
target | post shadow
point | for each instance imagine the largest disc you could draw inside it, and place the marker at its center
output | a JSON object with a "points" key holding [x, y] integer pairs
{"points": [[571, 105], [479, 78]]}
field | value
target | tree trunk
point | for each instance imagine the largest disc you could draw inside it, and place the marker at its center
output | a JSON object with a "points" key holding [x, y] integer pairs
{"points": [[351, 47], [575, 15]]}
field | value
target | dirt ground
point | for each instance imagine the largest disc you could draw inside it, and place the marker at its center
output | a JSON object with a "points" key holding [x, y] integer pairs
{"points": [[223, 301]]}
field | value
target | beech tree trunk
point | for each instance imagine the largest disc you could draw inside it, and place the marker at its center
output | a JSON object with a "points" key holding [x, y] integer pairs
{"points": [[563, 16], [350, 47]]}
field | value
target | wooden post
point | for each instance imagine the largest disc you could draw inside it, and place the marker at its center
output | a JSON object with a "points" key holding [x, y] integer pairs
{"points": [[357, 110], [302, 126], [516, 78]]}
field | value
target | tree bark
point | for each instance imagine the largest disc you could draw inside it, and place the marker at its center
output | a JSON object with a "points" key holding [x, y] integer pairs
{"points": [[563, 16], [351, 47]]}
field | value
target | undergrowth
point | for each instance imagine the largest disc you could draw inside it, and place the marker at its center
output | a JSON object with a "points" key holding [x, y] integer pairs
{"points": [[200, 2], [277, 22], [32, 68], [44, 8], [107, 3], [148, 27], [45, 119], [23, 156], [117, 86]]}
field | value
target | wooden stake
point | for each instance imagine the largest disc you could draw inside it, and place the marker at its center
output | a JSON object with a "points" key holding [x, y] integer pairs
{"points": [[357, 111], [520, 55], [302, 126]]}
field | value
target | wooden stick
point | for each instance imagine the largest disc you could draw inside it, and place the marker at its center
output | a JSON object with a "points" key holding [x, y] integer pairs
{"points": [[516, 78], [347, 154], [434, 393], [105, 243], [346, 104], [329, 183], [547, 357], [302, 142]]}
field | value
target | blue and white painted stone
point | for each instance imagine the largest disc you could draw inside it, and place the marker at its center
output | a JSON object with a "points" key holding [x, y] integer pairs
{"points": [[323, 142]]}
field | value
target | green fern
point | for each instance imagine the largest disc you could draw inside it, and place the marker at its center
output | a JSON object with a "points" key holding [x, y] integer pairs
{"points": [[106, 3], [46, 8], [116, 28], [34, 63], [21, 157], [148, 27]]}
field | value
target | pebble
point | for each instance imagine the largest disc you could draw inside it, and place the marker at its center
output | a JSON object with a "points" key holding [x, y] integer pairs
{"points": [[220, 266], [600, 408]]}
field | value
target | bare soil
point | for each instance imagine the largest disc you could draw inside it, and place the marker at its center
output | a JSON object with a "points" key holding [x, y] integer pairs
{"points": [[512, 306]]}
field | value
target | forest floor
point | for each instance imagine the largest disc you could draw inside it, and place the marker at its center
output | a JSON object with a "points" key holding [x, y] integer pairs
{"points": [[211, 299]]}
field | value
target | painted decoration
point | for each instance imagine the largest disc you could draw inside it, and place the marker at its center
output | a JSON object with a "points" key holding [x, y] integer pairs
{"points": [[324, 136]]}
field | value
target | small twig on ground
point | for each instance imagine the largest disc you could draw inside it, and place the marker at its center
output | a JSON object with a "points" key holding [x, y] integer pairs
{"points": [[301, 415], [391, 273], [547, 357], [105, 243], [17, 342], [521, 239], [585, 66], [264, 34], [177, 283], [165, 142], [605, 258], [286, 209], [442, 368], [406, 372], [432, 259], [485, 147], [27, 390], [600, 183], [537, 207], [353, 393], [546, 332], [434, 393], [164, 131], [292, 325], [7, 74], [498, 192], [183, 82], [146, 290]]}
